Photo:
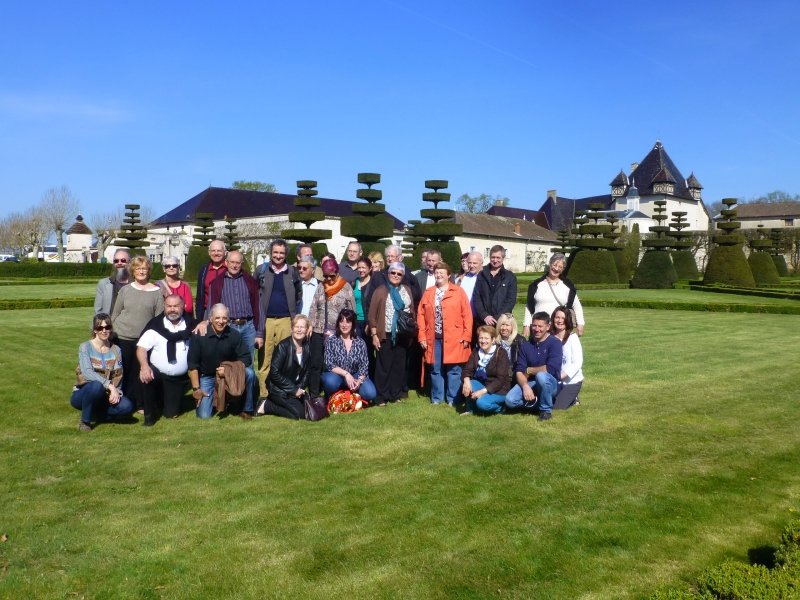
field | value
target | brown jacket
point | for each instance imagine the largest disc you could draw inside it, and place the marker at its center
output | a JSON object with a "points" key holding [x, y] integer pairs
{"points": [[233, 383], [377, 310]]}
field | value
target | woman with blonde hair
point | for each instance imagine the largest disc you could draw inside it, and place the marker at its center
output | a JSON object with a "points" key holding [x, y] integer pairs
{"points": [[136, 304], [508, 336]]}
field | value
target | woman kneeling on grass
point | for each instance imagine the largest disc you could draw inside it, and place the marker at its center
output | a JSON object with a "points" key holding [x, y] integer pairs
{"points": [[288, 373], [346, 360], [572, 359], [96, 393], [487, 374]]}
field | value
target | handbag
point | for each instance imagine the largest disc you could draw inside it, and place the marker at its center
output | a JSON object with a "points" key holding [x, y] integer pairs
{"points": [[316, 408], [406, 324]]}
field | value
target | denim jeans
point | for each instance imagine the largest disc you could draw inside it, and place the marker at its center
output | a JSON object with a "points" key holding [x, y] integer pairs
{"points": [[488, 403], [445, 379], [248, 331], [332, 383], [544, 386], [91, 399], [206, 407]]}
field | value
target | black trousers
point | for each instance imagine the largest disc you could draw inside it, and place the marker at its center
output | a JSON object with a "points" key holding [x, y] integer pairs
{"points": [[316, 358], [282, 405], [131, 386], [163, 395], [390, 371]]}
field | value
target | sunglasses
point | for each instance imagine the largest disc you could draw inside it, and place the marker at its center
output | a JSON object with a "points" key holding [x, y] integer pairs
{"points": [[103, 328], [120, 261], [398, 273], [170, 266]]}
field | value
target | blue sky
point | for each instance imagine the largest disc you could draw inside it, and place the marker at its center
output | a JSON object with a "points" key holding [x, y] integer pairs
{"points": [[151, 102]]}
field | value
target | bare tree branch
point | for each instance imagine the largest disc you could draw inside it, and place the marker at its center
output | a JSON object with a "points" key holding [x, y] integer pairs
{"points": [[59, 207]]}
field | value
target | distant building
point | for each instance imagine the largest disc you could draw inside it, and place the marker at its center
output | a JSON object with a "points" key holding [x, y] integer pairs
{"points": [[776, 214], [79, 242], [260, 217], [633, 195]]}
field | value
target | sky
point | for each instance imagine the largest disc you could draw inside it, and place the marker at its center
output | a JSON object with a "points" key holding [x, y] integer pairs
{"points": [[152, 102]]}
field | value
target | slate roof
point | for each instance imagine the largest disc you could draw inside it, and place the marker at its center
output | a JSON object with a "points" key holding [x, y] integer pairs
{"points": [[79, 227], [772, 210], [493, 226], [560, 213], [620, 179], [657, 167], [245, 204], [519, 213], [693, 182]]}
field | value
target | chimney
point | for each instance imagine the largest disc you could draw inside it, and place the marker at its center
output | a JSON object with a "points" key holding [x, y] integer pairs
{"points": [[500, 202], [633, 166], [552, 195]]}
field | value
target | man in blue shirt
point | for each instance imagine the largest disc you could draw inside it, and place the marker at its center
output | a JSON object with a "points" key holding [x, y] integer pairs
{"points": [[537, 370]]}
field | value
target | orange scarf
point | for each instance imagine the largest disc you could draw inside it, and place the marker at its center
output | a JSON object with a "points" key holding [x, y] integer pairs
{"points": [[332, 289]]}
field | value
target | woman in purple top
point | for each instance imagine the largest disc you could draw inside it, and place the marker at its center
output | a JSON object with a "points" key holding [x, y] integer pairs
{"points": [[346, 361]]}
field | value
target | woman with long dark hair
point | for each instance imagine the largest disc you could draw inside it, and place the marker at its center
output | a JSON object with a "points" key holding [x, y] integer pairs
{"points": [[346, 361]]}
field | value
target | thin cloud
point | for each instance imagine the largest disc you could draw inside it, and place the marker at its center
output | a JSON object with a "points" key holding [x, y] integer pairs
{"points": [[40, 106]]}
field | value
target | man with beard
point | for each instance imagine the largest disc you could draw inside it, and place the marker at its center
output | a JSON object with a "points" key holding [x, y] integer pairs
{"points": [[108, 287], [162, 351]]}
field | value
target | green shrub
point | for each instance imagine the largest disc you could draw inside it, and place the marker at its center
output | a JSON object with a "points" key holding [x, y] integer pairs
{"points": [[727, 264], [195, 260], [655, 271], [451, 254], [780, 264], [738, 581], [685, 265], [763, 269], [35, 269], [46, 303], [593, 266]]}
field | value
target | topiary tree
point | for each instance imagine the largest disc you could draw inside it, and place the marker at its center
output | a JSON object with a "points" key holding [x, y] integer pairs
{"points": [[202, 237], [230, 235], [594, 261], [442, 228], [777, 250], [411, 240], [369, 225], [760, 261], [627, 258], [305, 199], [727, 263], [132, 233], [656, 270], [682, 257]]}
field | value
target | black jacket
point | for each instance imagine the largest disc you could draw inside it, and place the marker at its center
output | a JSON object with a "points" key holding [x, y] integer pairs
{"points": [[286, 375], [494, 295]]}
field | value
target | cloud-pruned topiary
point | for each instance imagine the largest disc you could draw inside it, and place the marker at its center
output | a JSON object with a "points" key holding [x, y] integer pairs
{"points": [[132, 233], [593, 262], [369, 224], [760, 260], [656, 271], [727, 263], [682, 257], [305, 200], [779, 246], [441, 229]]}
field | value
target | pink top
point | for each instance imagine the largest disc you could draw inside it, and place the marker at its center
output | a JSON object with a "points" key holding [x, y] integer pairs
{"points": [[184, 291]]}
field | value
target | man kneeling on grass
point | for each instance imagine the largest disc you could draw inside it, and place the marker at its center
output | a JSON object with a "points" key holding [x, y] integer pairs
{"points": [[217, 361], [537, 370]]}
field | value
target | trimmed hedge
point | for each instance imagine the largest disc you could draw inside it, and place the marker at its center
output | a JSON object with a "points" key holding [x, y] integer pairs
{"points": [[764, 293], [708, 307], [655, 271], [779, 260], [46, 303], [34, 269], [764, 271], [733, 580], [685, 265], [727, 265], [592, 266]]}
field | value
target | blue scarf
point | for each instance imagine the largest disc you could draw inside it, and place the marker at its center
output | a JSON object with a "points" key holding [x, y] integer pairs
{"points": [[394, 292]]}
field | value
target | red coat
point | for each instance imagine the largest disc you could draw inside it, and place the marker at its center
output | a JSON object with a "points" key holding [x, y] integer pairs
{"points": [[456, 321]]}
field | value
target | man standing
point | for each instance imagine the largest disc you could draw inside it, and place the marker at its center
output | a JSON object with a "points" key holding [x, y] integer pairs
{"points": [[281, 296], [305, 267], [305, 251], [538, 363], [239, 292], [467, 283], [394, 254], [206, 355], [425, 277], [162, 351], [495, 289], [209, 272], [348, 269], [108, 287]]}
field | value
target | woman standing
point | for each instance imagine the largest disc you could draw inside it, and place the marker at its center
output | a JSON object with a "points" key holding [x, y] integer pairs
{"points": [[377, 261], [330, 298], [346, 360], [390, 362], [445, 331], [552, 290], [288, 374], [363, 288], [96, 393], [486, 379], [571, 360], [136, 304], [173, 284]]}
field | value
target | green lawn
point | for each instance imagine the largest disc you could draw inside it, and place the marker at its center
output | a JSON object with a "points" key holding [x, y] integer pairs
{"points": [[681, 295], [684, 451], [56, 290]]}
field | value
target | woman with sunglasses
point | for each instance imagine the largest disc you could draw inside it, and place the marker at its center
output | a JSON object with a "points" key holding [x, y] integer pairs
{"points": [[330, 298], [173, 284], [97, 393], [390, 346]]}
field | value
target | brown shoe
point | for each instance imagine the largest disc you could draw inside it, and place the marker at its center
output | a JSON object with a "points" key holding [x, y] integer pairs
{"points": [[246, 416]]}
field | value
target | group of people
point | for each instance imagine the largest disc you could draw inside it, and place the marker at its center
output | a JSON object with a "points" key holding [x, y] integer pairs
{"points": [[262, 343]]}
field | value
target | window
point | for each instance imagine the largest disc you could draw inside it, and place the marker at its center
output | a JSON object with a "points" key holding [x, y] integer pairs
{"points": [[788, 222]]}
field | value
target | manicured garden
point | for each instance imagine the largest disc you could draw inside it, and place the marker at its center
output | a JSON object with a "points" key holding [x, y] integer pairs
{"points": [[683, 452]]}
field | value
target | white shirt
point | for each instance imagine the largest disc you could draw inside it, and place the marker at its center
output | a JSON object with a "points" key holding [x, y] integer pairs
{"points": [[546, 301], [468, 285], [309, 288], [152, 340]]}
